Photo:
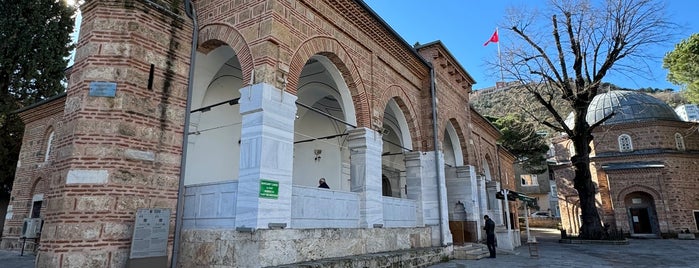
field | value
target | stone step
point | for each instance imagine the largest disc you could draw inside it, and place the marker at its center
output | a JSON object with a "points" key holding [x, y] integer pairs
{"points": [[419, 258], [471, 252]]}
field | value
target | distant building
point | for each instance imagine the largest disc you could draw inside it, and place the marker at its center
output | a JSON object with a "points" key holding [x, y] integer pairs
{"points": [[643, 163], [539, 186], [688, 112]]}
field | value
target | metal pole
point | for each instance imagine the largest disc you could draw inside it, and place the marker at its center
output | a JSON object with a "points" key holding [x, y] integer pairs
{"points": [[507, 215], [191, 12], [526, 221], [507, 210]]}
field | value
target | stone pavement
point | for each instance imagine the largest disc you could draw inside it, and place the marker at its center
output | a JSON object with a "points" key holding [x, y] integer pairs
{"points": [[12, 259], [638, 253]]}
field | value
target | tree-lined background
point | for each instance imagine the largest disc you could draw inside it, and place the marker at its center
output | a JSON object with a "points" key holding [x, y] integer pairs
{"points": [[35, 45]]}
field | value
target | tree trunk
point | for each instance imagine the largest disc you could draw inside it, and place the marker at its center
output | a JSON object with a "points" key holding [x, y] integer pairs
{"points": [[591, 224]]}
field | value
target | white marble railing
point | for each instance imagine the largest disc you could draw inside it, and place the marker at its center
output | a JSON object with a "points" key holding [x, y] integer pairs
{"points": [[213, 206], [399, 212], [322, 208], [210, 205]]}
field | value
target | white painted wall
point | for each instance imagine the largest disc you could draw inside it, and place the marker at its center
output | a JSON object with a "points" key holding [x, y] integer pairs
{"points": [[213, 152]]}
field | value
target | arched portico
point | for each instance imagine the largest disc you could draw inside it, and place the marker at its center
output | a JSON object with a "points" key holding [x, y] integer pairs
{"points": [[397, 141], [213, 152], [325, 114]]}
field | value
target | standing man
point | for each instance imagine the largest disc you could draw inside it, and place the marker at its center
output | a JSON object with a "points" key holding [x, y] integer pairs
{"points": [[322, 184], [490, 235]]}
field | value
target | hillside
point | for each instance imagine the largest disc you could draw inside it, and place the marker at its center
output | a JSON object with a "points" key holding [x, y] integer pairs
{"points": [[511, 99]]}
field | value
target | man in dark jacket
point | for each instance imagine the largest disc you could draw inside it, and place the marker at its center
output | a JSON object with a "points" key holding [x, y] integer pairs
{"points": [[322, 184], [490, 235]]}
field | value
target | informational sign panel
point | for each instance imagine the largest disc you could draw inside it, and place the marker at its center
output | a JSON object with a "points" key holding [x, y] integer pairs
{"points": [[150, 233], [103, 89], [269, 189]]}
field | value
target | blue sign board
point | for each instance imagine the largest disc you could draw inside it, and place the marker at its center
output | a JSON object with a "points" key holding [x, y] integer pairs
{"points": [[102, 89]]}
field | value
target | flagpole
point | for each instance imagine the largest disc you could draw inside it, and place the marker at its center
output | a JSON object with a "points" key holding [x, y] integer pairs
{"points": [[502, 79]]}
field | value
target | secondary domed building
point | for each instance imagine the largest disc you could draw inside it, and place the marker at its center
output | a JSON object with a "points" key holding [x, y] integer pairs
{"points": [[644, 161]]}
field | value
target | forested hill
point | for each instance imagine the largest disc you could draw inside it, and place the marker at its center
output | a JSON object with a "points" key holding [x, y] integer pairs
{"points": [[510, 99]]}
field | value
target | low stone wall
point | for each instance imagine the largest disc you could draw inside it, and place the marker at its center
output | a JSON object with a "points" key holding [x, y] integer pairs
{"points": [[262, 248], [541, 222]]}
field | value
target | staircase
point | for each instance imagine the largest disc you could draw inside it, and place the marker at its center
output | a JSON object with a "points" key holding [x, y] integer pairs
{"points": [[471, 251]]}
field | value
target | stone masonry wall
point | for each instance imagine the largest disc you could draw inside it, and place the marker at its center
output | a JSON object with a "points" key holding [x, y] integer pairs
{"points": [[227, 248], [32, 171], [117, 154]]}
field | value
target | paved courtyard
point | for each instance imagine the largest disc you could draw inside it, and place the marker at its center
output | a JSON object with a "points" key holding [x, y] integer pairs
{"points": [[12, 259], [638, 253]]}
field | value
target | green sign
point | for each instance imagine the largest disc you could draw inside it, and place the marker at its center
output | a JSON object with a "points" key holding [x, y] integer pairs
{"points": [[269, 189]]}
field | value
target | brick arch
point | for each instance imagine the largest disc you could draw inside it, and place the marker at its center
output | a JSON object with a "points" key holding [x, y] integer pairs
{"points": [[337, 54], [491, 166], [38, 185], [212, 36], [45, 140], [460, 134], [638, 188], [397, 94]]}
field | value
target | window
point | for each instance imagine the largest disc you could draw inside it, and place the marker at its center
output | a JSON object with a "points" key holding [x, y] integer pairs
{"points": [[529, 180], [625, 144], [679, 142], [49, 142], [37, 202]]}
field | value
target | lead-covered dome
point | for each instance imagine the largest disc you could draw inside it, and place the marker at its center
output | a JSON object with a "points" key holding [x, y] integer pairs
{"points": [[628, 106]]}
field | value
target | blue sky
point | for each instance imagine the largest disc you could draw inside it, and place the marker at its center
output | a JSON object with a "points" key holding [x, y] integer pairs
{"points": [[463, 26]]}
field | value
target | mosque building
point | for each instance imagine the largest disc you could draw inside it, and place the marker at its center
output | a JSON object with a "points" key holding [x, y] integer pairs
{"points": [[644, 163], [198, 136]]}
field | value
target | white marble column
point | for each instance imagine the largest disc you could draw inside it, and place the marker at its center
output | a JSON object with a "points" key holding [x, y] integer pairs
{"points": [[482, 203], [365, 147], [423, 185], [266, 153]]}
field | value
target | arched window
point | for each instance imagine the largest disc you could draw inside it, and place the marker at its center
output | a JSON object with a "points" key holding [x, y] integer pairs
{"points": [[679, 142], [49, 143], [386, 186], [625, 144]]}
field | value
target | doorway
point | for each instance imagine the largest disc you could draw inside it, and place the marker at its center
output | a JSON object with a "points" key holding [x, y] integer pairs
{"points": [[642, 216], [640, 221]]}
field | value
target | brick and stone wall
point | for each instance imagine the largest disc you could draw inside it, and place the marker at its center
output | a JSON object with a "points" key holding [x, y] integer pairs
{"points": [[33, 168], [117, 154]]}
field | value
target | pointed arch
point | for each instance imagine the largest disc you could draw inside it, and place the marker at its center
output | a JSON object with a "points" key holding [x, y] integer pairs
{"points": [[459, 137], [212, 36], [397, 94], [340, 58], [637, 188]]}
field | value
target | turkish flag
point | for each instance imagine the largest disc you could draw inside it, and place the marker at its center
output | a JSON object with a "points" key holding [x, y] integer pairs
{"points": [[493, 38]]}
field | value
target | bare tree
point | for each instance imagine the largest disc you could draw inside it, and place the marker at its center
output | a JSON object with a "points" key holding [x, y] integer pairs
{"points": [[564, 53]]}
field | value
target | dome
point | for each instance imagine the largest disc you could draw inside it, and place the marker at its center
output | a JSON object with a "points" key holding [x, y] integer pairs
{"points": [[628, 106]]}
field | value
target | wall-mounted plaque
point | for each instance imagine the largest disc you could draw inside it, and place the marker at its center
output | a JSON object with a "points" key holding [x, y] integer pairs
{"points": [[150, 233], [103, 89]]}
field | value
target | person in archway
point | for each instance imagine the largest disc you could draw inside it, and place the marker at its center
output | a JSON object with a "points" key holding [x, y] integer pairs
{"points": [[322, 184], [490, 235]]}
